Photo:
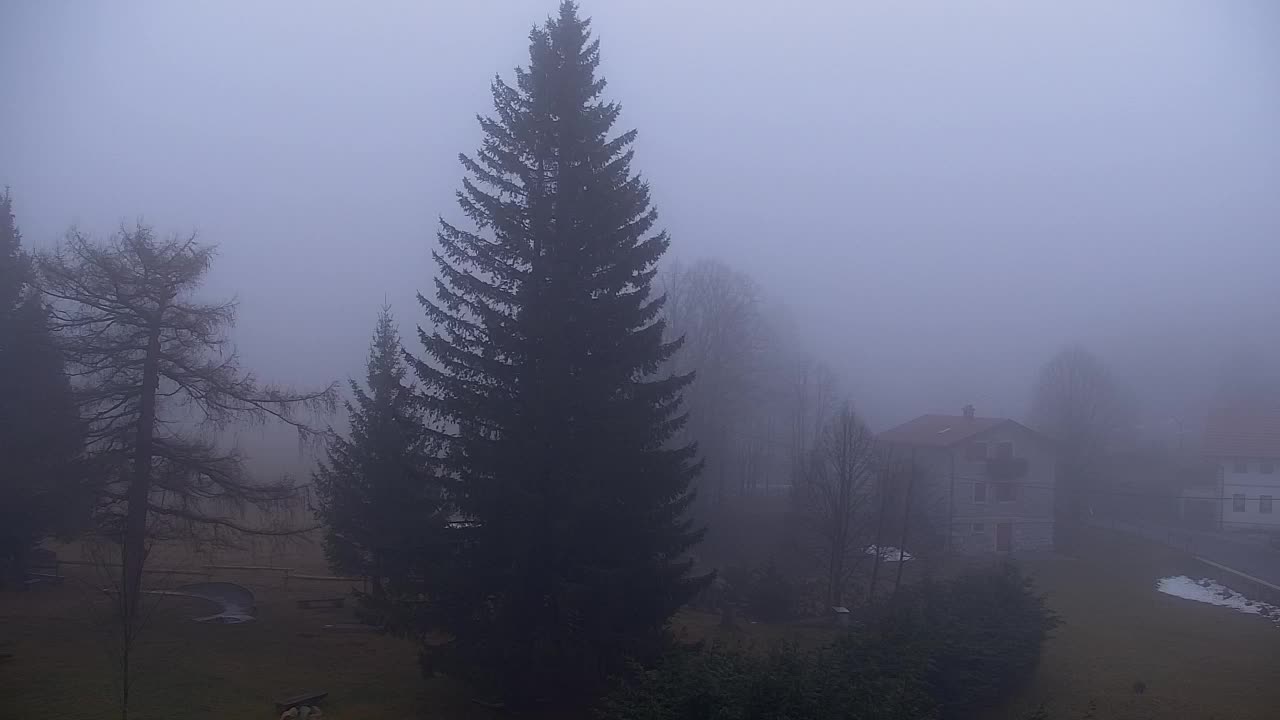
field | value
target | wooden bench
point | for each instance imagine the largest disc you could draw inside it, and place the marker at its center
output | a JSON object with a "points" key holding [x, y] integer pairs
{"points": [[313, 603], [306, 698]]}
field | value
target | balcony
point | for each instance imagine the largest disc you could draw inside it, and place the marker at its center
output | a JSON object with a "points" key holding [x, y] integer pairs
{"points": [[1010, 469]]}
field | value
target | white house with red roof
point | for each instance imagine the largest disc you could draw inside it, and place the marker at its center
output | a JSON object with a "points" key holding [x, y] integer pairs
{"points": [[988, 481], [1245, 446]]}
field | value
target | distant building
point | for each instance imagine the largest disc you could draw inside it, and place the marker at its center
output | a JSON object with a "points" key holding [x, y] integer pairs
{"points": [[988, 481], [1245, 447]]}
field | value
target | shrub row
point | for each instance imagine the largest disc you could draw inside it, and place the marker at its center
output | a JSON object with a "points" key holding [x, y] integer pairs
{"points": [[938, 650]]}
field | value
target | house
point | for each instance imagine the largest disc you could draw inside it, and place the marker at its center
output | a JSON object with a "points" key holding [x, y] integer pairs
{"points": [[990, 480], [1244, 445]]}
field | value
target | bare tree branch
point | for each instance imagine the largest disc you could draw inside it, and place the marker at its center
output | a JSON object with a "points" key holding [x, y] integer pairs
{"points": [[835, 491], [154, 371]]}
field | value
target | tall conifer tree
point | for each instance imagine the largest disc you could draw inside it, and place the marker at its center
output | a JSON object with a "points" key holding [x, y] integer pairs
{"points": [[40, 432], [544, 364], [382, 507]]}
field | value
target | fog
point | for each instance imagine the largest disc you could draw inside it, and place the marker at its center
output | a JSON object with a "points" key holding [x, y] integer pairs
{"points": [[942, 194]]}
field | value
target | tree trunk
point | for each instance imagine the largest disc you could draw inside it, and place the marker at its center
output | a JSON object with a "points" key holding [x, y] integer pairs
{"points": [[841, 545], [379, 572], [135, 534], [833, 584]]}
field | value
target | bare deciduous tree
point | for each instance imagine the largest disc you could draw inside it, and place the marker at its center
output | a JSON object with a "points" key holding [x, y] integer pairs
{"points": [[154, 374], [718, 312], [1079, 405], [811, 402], [836, 493]]}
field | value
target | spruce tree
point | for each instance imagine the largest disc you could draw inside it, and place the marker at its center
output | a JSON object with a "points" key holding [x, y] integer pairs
{"points": [[40, 437], [544, 366], [382, 507]]}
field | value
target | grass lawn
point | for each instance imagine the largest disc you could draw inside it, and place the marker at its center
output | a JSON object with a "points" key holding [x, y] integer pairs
{"points": [[62, 669], [1197, 661]]}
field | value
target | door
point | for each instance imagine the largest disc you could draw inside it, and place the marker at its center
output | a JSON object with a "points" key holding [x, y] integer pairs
{"points": [[1004, 537]]}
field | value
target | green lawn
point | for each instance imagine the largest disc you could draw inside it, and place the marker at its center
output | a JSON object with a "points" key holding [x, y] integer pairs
{"points": [[1196, 661], [62, 669]]}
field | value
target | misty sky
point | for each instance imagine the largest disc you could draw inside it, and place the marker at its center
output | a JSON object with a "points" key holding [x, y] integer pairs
{"points": [[943, 193]]}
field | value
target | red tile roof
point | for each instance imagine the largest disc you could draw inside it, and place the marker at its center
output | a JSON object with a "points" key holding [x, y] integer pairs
{"points": [[939, 430], [1243, 434]]}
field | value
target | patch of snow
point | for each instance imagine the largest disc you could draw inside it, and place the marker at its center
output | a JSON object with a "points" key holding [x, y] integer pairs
{"points": [[1207, 591], [889, 553]]}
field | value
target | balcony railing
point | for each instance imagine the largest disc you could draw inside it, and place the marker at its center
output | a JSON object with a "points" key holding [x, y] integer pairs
{"points": [[1006, 469]]}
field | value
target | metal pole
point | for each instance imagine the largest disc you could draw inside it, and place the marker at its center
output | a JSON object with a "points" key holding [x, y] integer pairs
{"points": [[884, 502], [906, 522]]}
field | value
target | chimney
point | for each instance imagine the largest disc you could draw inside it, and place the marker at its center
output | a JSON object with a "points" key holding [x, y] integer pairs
{"points": [[968, 411]]}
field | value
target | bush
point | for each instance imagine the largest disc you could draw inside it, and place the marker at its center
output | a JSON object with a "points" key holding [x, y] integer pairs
{"points": [[737, 583], [851, 678], [772, 596], [980, 632], [940, 650], [765, 593]]}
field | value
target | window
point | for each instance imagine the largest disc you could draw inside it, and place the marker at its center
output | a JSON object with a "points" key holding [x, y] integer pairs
{"points": [[976, 451], [979, 492], [1004, 450], [1266, 467], [979, 528], [1006, 492], [1264, 504], [1240, 466], [1237, 503]]}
